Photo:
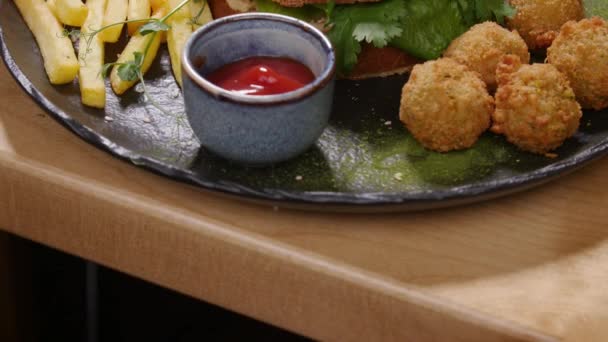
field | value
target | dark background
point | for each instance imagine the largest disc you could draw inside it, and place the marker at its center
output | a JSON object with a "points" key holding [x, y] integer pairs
{"points": [[48, 299]]}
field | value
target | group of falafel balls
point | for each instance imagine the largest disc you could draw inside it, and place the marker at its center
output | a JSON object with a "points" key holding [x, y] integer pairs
{"points": [[447, 103]]}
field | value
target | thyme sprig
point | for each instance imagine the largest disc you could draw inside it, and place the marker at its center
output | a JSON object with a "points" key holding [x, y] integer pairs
{"points": [[132, 70]]}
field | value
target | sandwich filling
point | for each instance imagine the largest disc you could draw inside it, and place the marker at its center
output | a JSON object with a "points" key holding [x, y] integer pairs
{"points": [[421, 28]]}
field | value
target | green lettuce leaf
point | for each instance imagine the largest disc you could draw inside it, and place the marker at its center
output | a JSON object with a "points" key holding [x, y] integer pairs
{"points": [[430, 26], [596, 7], [306, 13], [423, 28], [377, 23], [495, 10]]}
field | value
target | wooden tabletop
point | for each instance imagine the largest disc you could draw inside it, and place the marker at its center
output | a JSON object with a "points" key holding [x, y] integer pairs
{"points": [[529, 267]]}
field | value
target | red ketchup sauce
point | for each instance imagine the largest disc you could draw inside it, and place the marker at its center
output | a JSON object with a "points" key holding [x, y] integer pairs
{"points": [[262, 76]]}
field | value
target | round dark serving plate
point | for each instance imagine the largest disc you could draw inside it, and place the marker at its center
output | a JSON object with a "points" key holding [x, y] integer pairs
{"points": [[364, 162]]}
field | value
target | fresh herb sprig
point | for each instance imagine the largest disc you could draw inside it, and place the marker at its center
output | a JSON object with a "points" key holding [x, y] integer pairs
{"points": [[132, 70], [129, 71]]}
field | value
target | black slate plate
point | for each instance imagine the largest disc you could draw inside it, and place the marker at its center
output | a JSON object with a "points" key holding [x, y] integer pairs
{"points": [[364, 162]]}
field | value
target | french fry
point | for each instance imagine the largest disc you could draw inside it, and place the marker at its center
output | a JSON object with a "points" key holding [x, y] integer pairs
{"points": [[156, 4], [53, 6], [137, 43], [200, 18], [56, 49], [71, 12], [91, 57], [138, 9], [181, 29], [116, 12]]}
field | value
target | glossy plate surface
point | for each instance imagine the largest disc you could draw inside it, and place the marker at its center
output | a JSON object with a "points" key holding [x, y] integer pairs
{"points": [[364, 162]]}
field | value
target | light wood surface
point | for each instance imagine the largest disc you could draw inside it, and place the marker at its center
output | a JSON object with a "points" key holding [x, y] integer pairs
{"points": [[532, 266]]}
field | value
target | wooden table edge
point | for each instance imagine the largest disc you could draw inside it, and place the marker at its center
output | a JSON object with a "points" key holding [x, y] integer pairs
{"points": [[375, 304]]}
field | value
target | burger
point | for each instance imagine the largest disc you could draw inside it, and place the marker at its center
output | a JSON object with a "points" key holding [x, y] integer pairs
{"points": [[380, 37]]}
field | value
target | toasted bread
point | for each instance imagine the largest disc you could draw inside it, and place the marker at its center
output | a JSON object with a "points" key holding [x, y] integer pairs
{"points": [[381, 62]]}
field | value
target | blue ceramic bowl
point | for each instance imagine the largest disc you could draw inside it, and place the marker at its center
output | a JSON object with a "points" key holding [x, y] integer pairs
{"points": [[257, 130]]}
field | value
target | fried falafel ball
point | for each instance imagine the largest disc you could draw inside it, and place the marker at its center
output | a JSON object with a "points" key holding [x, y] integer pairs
{"points": [[539, 21], [581, 53], [535, 106], [482, 47], [445, 105]]}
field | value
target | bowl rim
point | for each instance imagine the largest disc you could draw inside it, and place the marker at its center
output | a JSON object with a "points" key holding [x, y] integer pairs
{"points": [[320, 82]]}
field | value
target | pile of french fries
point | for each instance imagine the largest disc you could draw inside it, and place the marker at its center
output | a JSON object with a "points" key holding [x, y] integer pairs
{"points": [[48, 20]]}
